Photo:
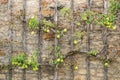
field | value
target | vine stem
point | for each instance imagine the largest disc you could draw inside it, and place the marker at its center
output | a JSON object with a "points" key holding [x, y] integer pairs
{"points": [[40, 41], [105, 40], [88, 49], [88, 45], [24, 36], [72, 40], [56, 40], [11, 39]]}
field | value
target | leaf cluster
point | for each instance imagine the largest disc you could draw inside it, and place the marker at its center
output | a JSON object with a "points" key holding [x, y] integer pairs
{"points": [[65, 12], [88, 16], [93, 52], [59, 57], [24, 61], [107, 20], [33, 23], [114, 6]]}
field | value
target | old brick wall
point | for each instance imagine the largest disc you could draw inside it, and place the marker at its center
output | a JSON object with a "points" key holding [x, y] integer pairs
{"points": [[32, 9]]}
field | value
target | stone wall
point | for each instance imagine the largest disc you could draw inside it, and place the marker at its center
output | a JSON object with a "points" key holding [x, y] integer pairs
{"points": [[32, 9]]}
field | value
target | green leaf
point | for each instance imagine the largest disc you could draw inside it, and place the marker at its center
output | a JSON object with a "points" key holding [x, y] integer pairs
{"points": [[48, 23], [65, 11], [33, 23]]}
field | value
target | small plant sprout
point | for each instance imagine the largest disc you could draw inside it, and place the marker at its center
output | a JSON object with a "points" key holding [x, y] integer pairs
{"points": [[79, 34], [93, 52], [33, 23]]}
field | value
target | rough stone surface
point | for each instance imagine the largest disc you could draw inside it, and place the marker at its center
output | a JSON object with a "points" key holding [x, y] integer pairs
{"points": [[32, 9]]}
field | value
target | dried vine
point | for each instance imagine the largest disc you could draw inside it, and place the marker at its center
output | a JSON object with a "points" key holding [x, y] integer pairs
{"points": [[11, 39], [56, 40], [72, 41], [105, 41], [88, 46], [40, 40], [24, 35]]}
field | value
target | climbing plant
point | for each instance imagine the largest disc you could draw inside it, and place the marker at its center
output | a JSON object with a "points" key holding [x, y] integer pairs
{"points": [[81, 20], [26, 61], [114, 6], [88, 17]]}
